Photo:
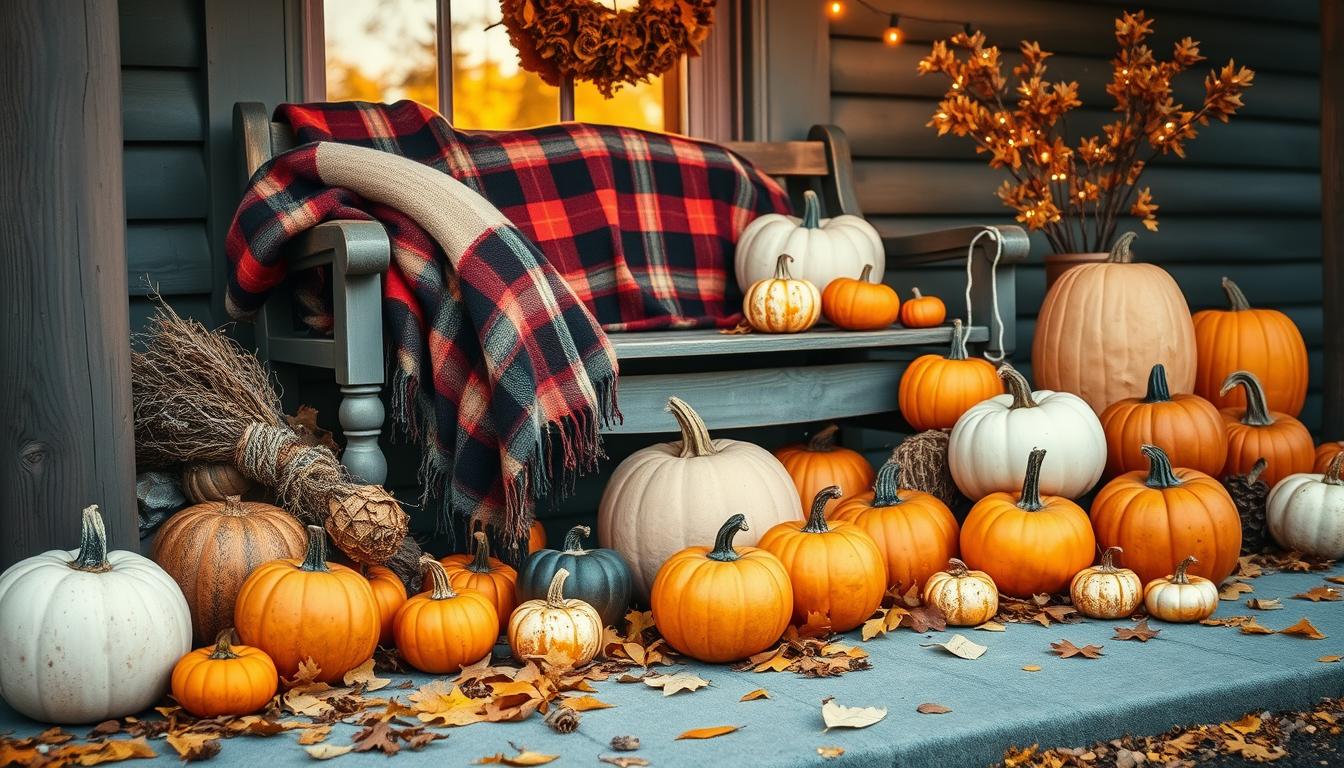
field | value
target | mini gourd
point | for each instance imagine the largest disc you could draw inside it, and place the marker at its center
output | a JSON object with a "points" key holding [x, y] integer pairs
{"points": [[224, 679], [921, 311], [559, 630], [1255, 432], [1305, 512], [860, 305], [442, 630], [1104, 591], [967, 598], [599, 577], [821, 462], [490, 576], [1181, 597], [782, 303], [936, 390], [826, 248]]}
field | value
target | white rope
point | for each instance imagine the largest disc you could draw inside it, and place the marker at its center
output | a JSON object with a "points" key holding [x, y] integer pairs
{"points": [[997, 237]]}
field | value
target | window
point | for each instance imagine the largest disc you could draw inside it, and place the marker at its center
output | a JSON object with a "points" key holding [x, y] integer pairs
{"points": [[392, 49]]}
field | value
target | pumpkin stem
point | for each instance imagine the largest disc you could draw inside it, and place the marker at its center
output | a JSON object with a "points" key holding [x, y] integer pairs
{"points": [[958, 350], [1180, 576], [1159, 468], [1158, 391], [315, 558], [1331, 476], [555, 594], [92, 556], [816, 520], [811, 210], [866, 276], [695, 440], [957, 567], [481, 562], [233, 506], [916, 293], [1031, 484], [1120, 253], [1257, 411], [1108, 559], [1257, 469], [1017, 387], [1236, 300], [886, 486], [224, 645], [441, 588], [824, 439], [723, 543], [782, 267], [574, 539]]}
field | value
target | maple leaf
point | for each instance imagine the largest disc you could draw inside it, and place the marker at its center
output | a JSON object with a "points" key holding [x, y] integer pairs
{"points": [[1233, 590], [1064, 614], [307, 673], [363, 676], [437, 703], [105, 728], [682, 681], [417, 737], [1140, 632], [924, 618], [315, 735], [1264, 603], [712, 732], [379, 736], [1319, 594], [637, 622], [930, 708], [817, 625], [836, 715], [1066, 649], [194, 746], [1254, 627], [1247, 568], [1335, 579], [1304, 628]]}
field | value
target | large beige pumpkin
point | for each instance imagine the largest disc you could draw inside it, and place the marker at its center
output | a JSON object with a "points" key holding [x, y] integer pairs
{"points": [[670, 496], [1102, 327]]}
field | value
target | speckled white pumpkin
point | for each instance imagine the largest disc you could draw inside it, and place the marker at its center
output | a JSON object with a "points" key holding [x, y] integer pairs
{"points": [[1305, 512], [89, 635]]}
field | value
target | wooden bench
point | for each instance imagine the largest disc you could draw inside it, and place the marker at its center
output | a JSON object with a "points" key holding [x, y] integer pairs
{"points": [[732, 380]]}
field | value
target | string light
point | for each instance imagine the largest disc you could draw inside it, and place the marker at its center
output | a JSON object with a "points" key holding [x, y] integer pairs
{"points": [[893, 34], [835, 8]]}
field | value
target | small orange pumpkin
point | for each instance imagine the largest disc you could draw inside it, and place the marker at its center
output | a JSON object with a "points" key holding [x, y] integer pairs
{"points": [[820, 463], [1325, 453], [224, 679], [482, 573], [936, 390], [923, 311], [1256, 431], [1188, 427], [860, 305], [1265, 342], [1181, 597], [213, 482], [836, 570], [1031, 544], [442, 630], [782, 304], [390, 594], [536, 537]]}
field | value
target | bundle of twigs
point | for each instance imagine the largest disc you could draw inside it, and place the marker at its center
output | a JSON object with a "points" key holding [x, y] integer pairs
{"points": [[198, 396]]}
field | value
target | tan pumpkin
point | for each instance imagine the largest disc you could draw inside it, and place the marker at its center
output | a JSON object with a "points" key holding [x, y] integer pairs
{"points": [[210, 548], [967, 598], [1180, 597], [782, 304], [1102, 327], [556, 629], [213, 482], [1104, 591]]}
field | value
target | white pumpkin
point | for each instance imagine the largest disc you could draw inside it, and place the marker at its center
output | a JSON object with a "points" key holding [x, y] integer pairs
{"points": [[992, 441], [670, 496], [1305, 512], [823, 249], [89, 635], [555, 628]]}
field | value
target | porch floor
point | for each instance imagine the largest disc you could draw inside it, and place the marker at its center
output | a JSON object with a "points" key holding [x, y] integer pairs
{"points": [[1188, 674]]}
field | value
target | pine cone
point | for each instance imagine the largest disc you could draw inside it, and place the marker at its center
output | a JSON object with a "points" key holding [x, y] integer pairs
{"points": [[924, 467], [1249, 493], [562, 719], [368, 525]]}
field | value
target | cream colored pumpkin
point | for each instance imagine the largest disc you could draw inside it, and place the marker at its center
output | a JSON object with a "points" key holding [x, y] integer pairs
{"points": [[670, 496], [1305, 512], [555, 628], [967, 598], [782, 304], [1180, 597], [1104, 591], [824, 248], [991, 442]]}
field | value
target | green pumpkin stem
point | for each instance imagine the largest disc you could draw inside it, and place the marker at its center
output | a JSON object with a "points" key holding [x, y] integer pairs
{"points": [[555, 593], [1108, 559], [1031, 484], [1180, 576], [816, 520], [92, 556], [1159, 468], [957, 567], [811, 210], [574, 539], [723, 542], [824, 439], [441, 588], [1257, 410], [782, 267], [1236, 300], [887, 484], [315, 558], [1331, 476], [224, 645], [1120, 252], [1158, 391], [1017, 387], [480, 563], [958, 350], [695, 440]]}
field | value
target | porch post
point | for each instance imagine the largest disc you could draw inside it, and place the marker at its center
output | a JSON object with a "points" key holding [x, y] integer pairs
{"points": [[66, 437], [1332, 213]]}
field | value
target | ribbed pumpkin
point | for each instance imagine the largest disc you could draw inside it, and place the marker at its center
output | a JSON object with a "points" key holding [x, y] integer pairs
{"points": [[721, 604], [1305, 512], [390, 594], [213, 482], [1165, 513], [1255, 431], [836, 569], [915, 532], [820, 463], [598, 577], [1104, 591], [781, 304], [442, 630], [1264, 342], [967, 598], [536, 537], [558, 629], [1102, 327], [1181, 597], [860, 305], [210, 548], [1187, 427], [309, 609], [1029, 544], [922, 311], [936, 390], [224, 679], [1325, 453], [482, 573]]}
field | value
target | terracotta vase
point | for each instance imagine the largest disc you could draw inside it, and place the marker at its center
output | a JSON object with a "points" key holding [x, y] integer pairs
{"points": [[1057, 264]]}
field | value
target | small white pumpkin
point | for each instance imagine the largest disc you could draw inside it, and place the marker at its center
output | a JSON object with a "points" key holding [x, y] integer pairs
{"points": [[992, 441], [1305, 512], [1104, 591], [824, 248], [89, 635], [783, 303], [967, 598], [1180, 597], [555, 628]]}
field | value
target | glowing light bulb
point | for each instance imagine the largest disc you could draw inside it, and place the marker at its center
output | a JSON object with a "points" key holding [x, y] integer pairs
{"points": [[835, 8], [893, 36]]}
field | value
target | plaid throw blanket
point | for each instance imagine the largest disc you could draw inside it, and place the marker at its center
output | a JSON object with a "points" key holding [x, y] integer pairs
{"points": [[498, 363]]}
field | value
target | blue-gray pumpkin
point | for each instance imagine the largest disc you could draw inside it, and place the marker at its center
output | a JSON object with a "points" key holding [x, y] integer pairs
{"points": [[599, 577]]}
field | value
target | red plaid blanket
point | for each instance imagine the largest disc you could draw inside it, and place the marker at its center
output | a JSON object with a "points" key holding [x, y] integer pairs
{"points": [[632, 228]]}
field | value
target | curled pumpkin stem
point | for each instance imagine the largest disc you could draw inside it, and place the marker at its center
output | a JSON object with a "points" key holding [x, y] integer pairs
{"points": [[1017, 387], [1160, 474], [1031, 484], [816, 520], [723, 543], [1257, 410], [1180, 576], [1108, 559], [574, 539]]}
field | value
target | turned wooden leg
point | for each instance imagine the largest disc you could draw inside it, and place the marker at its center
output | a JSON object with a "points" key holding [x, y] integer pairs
{"points": [[361, 417]]}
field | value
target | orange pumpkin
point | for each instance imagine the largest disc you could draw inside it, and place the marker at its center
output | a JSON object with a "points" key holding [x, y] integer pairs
{"points": [[860, 305], [923, 311], [722, 604], [915, 532], [390, 594], [442, 630], [309, 609], [1163, 514], [1031, 544], [1264, 342], [1256, 431], [820, 463], [1188, 427], [536, 537], [482, 573], [1325, 453], [936, 390], [224, 679], [836, 570]]}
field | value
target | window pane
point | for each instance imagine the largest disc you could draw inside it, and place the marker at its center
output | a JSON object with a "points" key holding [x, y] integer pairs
{"points": [[639, 106], [381, 51]]}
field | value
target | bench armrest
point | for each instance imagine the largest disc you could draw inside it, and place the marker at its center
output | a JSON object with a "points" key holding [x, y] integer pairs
{"points": [[352, 247], [951, 244]]}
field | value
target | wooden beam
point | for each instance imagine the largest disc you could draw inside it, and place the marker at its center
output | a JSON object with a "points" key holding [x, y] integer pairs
{"points": [[1332, 217], [65, 362]]}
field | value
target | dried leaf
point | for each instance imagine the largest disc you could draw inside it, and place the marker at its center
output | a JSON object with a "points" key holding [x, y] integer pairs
{"points": [[379, 736], [315, 735], [959, 645], [1264, 603], [192, 747], [682, 681], [625, 743], [112, 751], [1320, 594], [759, 693], [742, 327], [1031, 668], [524, 757], [438, 703], [708, 733], [1234, 589], [839, 716], [1140, 631], [1066, 649], [992, 626], [1304, 628], [830, 753], [1335, 579], [623, 761], [306, 674], [930, 708], [1249, 723], [1330, 659], [105, 728], [363, 675], [925, 618], [586, 703], [1254, 627]]}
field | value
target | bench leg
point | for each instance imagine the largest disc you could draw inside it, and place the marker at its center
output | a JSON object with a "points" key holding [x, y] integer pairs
{"points": [[361, 417]]}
